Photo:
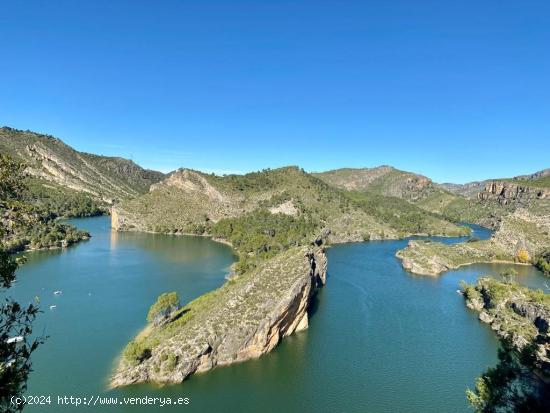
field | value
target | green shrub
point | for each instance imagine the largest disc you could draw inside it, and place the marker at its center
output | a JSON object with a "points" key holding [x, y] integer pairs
{"points": [[135, 352], [166, 303]]}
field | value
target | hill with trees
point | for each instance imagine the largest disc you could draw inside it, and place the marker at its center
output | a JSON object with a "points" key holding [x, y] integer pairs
{"points": [[71, 183]]}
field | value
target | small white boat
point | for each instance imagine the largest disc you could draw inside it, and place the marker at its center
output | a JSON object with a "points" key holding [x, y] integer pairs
{"points": [[14, 339], [52, 307], [459, 292], [58, 292]]}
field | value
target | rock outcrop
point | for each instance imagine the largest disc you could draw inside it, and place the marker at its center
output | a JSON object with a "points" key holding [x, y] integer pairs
{"points": [[244, 319], [507, 192], [516, 314]]}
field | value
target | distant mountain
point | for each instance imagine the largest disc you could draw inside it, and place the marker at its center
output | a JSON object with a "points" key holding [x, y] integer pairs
{"points": [[414, 188], [472, 189], [59, 169], [469, 190], [382, 180]]}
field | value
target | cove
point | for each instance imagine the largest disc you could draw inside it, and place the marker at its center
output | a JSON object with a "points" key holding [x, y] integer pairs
{"points": [[380, 339]]}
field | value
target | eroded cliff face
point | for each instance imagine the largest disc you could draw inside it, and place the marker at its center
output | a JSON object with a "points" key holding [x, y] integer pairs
{"points": [[244, 319], [516, 314], [105, 179], [506, 193]]}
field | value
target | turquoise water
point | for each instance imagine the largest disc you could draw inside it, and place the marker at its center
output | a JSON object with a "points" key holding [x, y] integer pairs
{"points": [[380, 339]]}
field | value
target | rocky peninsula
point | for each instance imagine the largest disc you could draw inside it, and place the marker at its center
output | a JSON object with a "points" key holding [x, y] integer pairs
{"points": [[244, 319]]}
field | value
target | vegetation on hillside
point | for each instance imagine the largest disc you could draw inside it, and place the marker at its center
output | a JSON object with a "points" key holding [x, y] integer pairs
{"points": [[26, 226], [413, 188], [59, 201], [542, 262], [16, 344], [264, 213], [260, 234], [58, 171], [522, 237]]}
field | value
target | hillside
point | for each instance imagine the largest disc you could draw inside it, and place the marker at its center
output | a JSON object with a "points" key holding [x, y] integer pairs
{"points": [[382, 180], [24, 226], [522, 237], [411, 187], [193, 202], [62, 178]]}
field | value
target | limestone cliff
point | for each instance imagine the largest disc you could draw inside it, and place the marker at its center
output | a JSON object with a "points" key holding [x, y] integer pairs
{"points": [[244, 319], [507, 192]]}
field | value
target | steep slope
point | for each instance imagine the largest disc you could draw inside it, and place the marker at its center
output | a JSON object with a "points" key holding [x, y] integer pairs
{"points": [[52, 163]]}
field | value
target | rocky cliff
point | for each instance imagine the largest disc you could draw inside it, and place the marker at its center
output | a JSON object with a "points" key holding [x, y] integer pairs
{"points": [[244, 319], [516, 314], [506, 192]]}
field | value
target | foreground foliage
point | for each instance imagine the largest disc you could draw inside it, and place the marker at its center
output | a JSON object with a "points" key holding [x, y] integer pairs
{"points": [[16, 341]]}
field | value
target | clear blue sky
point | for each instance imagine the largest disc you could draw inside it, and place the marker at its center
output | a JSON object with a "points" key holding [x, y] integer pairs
{"points": [[456, 90]]}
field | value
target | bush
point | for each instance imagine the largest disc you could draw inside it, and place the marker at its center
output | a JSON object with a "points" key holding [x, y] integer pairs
{"points": [[523, 256], [165, 304], [136, 352]]}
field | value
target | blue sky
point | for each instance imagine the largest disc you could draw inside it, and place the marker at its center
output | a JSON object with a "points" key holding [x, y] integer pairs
{"points": [[456, 90]]}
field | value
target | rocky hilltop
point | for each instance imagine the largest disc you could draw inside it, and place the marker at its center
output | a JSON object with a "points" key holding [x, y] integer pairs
{"points": [[54, 164], [244, 319]]}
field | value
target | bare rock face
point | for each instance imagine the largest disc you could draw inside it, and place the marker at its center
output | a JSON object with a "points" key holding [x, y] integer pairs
{"points": [[244, 319], [190, 182], [508, 192]]}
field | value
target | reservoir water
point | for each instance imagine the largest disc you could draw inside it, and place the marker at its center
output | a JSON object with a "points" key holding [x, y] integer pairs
{"points": [[380, 339]]}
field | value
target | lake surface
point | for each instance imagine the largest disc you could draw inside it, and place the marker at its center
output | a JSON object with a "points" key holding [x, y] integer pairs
{"points": [[380, 339]]}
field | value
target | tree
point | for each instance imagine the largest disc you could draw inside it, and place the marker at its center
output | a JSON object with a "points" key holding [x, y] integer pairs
{"points": [[166, 304], [523, 256], [509, 275], [16, 343]]}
